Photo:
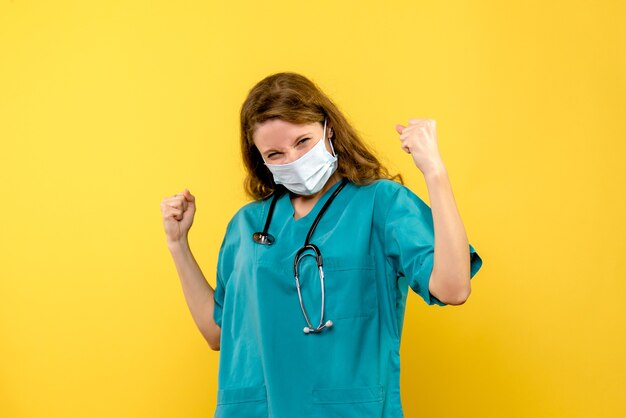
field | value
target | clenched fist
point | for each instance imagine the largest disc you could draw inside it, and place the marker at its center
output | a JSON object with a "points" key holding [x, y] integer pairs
{"points": [[178, 212], [420, 140]]}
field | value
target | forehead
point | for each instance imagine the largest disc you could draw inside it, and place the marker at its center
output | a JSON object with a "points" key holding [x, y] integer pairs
{"points": [[279, 132]]}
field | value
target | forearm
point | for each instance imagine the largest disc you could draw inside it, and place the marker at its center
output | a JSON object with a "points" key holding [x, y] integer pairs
{"points": [[450, 279], [198, 293]]}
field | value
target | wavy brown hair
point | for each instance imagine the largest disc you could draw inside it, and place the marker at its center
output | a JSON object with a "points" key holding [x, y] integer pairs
{"points": [[294, 98]]}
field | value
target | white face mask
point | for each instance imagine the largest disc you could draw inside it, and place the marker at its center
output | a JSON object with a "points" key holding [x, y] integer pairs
{"points": [[309, 173]]}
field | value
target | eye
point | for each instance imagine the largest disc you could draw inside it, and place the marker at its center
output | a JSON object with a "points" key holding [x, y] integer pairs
{"points": [[274, 155]]}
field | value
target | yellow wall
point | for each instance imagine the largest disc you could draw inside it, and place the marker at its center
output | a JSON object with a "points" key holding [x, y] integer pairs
{"points": [[107, 107]]}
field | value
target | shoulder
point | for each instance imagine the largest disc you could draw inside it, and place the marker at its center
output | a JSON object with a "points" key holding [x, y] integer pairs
{"points": [[392, 201], [384, 192], [246, 214], [375, 198], [250, 209], [388, 186]]}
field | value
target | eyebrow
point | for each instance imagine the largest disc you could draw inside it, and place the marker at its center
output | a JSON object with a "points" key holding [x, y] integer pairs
{"points": [[296, 140]]}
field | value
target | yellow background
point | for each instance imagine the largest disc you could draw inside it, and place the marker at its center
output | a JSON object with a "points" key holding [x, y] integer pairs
{"points": [[107, 107]]}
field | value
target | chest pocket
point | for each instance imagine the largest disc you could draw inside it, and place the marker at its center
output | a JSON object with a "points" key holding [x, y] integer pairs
{"points": [[350, 287]]}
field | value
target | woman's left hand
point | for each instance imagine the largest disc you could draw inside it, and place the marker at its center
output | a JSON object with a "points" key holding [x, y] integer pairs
{"points": [[420, 140]]}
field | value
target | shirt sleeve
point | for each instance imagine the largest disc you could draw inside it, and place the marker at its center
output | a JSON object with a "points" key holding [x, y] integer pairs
{"points": [[218, 295], [410, 242], [218, 298]]}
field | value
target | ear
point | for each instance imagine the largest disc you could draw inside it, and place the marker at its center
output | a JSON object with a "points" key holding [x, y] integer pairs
{"points": [[330, 131]]}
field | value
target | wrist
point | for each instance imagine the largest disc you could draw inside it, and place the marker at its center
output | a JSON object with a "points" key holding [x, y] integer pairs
{"points": [[178, 245], [436, 171]]}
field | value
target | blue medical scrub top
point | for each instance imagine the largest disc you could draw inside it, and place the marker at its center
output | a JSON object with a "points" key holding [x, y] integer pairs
{"points": [[376, 242]]}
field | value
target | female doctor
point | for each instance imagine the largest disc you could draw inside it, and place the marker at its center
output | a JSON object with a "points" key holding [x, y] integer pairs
{"points": [[313, 274]]}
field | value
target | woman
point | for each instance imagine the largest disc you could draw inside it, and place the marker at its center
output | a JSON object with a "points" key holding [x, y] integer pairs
{"points": [[319, 335]]}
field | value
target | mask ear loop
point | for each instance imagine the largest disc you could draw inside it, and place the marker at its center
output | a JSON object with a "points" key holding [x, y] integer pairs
{"points": [[330, 141]]}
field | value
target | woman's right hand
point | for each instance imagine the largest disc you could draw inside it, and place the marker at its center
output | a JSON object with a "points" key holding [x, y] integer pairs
{"points": [[178, 212]]}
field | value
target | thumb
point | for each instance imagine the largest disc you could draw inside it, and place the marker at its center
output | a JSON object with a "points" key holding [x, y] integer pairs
{"points": [[189, 196], [399, 128]]}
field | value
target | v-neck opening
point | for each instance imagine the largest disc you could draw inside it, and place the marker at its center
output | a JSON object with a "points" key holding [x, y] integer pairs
{"points": [[316, 207]]}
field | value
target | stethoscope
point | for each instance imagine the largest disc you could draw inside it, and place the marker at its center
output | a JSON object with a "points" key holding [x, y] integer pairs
{"points": [[267, 239]]}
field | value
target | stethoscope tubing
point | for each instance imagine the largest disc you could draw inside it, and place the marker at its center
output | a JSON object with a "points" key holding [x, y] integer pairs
{"points": [[267, 239]]}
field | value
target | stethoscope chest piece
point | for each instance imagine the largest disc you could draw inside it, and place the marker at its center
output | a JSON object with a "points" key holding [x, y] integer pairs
{"points": [[263, 238]]}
